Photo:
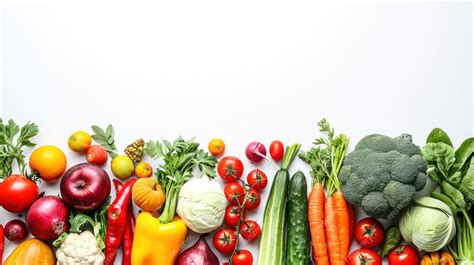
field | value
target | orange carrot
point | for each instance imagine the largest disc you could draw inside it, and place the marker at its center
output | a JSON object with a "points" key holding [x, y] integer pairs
{"points": [[343, 223], [316, 224], [332, 234]]}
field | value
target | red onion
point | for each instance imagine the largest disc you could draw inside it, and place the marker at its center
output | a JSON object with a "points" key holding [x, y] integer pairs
{"points": [[85, 187], [199, 253], [16, 230], [255, 151], [47, 218]]}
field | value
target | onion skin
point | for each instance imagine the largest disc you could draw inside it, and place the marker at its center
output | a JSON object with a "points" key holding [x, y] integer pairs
{"points": [[255, 152], [47, 218], [15, 230], [84, 187], [199, 253]]}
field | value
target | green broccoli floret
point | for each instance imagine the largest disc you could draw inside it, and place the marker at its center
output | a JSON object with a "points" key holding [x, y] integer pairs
{"points": [[382, 174]]}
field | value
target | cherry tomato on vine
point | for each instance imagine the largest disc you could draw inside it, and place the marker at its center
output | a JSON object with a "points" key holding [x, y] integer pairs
{"points": [[369, 233], [403, 255], [364, 256], [277, 150], [242, 257], [250, 230], [224, 240], [234, 192], [230, 168], [257, 179], [232, 215], [253, 200]]}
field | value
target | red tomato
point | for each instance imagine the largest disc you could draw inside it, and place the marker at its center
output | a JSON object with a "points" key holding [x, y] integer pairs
{"points": [[96, 154], [369, 233], [224, 240], [364, 256], [253, 200], [232, 215], [234, 192], [277, 149], [250, 230], [242, 257], [230, 168], [17, 193], [403, 255], [257, 179]]}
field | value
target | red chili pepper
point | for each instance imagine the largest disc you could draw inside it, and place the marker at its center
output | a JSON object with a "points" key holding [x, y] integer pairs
{"points": [[117, 217], [127, 241], [2, 240]]}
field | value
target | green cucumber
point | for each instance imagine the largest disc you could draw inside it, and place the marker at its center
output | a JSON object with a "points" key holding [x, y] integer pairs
{"points": [[298, 249], [272, 241]]}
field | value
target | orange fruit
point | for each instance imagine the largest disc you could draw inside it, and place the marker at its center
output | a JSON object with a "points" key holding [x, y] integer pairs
{"points": [[216, 147], [143, 170], [49, 161], [79, 141]]}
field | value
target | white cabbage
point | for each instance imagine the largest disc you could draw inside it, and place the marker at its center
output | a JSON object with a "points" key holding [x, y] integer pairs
{"points": [[428, 224], [201, 205]]}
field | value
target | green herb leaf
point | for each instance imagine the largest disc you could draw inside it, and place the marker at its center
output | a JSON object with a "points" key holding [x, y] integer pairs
{"points": [[105, 139]]}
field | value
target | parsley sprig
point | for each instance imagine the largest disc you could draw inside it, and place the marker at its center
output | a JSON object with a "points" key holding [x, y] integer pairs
{"points": [[179, 157], [12, 144]]}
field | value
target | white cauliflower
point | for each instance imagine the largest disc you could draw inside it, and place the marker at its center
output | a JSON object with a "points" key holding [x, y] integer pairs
{"points": [[80, 249]]}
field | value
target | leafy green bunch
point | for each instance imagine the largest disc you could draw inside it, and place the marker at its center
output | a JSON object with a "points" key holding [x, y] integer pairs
{"points": [[179, 157], [453, 170], [12, 144]]}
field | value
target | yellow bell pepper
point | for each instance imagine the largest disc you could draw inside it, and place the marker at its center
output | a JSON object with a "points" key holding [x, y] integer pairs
{"points": [[157, 243]]}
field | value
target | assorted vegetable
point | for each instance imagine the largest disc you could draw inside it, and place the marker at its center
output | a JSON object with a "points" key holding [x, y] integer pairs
{"points": [[199, 253], [47, 218], [428, 223], [272, 240], [15, 230], [381, 176], [453, 170]]}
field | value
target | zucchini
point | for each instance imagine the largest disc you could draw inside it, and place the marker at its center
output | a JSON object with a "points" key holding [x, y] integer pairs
{"points": [[272, 241], [298, 249]]}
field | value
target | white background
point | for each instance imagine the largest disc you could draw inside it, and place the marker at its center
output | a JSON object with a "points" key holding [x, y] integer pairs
{"points": [[240, 71]]}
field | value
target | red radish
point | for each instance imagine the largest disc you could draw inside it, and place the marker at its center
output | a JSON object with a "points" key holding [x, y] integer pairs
{"points": [[16, 230], [277, 150], [255, 152], [47, 218]]}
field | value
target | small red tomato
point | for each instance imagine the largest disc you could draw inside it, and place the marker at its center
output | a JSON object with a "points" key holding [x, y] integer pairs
{"points": [[232, 215], [18, 193], [253, 200], [403, 255], [224, 240], [364, 256], [234, 192], [230, 168], [277, 150], [369, 233], [242, 257], [96, 154], [257, 179], [250, 230]]}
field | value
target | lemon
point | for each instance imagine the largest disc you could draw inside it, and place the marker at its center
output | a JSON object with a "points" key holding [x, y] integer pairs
{"points": [[79, 141], [122, 166]]}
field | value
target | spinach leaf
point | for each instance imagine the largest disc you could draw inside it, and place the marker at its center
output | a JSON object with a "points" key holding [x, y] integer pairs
{"points": [[441, 155], [463, 154], [437, 135], [467, 183]]}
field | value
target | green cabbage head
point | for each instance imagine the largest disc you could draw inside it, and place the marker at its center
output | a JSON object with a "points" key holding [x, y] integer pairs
{"points": [[428, 223], [201, 205]]}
